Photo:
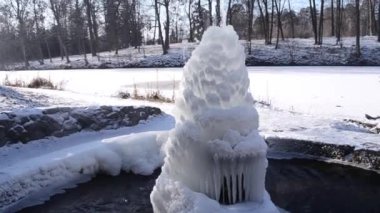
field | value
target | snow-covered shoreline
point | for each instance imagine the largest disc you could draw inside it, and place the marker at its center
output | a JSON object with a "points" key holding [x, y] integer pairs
{"points": [[291, 52], [48, 166]]}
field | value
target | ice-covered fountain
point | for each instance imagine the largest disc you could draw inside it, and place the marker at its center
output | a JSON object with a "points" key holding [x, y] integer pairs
{"points": [[215, 158]]}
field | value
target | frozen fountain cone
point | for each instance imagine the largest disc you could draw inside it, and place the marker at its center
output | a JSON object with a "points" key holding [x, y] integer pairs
{"points": [[214, 154]]}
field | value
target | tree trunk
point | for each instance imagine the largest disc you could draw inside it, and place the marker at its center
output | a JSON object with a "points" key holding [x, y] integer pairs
{"points": [[378, 27], [38, 33], [250, 6], [48, 50], [23, 48], [291, 20], [218, 15], [373, 18], [229, 13], [191, 30], [369, 25], [95, 27], [357, 7], [210, 11], [338, 21], [20, 16], [279, 23], [59, 26], [154, 32], [314, 20], [321, 20], [90, 27], [271, 23], [263, 22], [167, 27], [157, 10], [40, 53], [266, 26], [63, 47], [200, 29], [332, 19]]}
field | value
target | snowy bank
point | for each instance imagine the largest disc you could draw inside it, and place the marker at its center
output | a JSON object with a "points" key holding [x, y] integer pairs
{"points": [[45, 170]]}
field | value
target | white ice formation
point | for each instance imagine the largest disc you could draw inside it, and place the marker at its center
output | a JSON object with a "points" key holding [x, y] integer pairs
{"points": [[215, 149]]}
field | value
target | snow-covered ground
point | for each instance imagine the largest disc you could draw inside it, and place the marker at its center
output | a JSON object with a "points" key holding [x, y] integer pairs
{"points": [[290, 52], [305, 103], [332, 92]]}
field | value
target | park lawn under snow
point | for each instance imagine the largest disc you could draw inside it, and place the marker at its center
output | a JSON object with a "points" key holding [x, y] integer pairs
{"points": [[306, 104]]}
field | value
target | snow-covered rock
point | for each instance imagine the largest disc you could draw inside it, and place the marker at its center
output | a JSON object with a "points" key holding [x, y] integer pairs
{"points": [[62, 121]]}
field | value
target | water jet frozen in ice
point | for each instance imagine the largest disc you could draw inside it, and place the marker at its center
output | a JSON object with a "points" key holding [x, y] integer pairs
{"points": [[215, 148]]}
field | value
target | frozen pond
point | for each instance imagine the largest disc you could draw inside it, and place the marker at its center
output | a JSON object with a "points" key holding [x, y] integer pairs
{"points": [[295, 185], [327, 91]]}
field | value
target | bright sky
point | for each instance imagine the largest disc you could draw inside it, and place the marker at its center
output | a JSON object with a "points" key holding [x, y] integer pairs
{"points": [[297, 4]]}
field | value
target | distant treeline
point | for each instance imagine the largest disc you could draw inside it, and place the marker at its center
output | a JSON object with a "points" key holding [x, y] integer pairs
{"points": [[42, 29]]}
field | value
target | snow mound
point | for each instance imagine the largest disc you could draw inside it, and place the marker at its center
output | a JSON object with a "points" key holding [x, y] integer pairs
{"points": [[215, 149]]}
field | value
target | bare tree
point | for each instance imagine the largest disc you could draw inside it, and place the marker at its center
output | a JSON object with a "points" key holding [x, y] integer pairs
{"points": [[357, 8], [313, 13], [229, 13], [167, 26], [90, 25], [332, 19], [57, 7], [250, 6], [271, 22], [339, 20], [189, 15], [321, 21], [378, 20], [113, 23], [265, 20], [37, 13], [373, 17], [279, 9], [78, 29], [291, 20], [157, 7], [21, 14], [210, 11], [218, 13], [317, 29]]}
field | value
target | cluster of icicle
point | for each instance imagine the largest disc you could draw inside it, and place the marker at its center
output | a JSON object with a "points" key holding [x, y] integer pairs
{"points": [[215, 148]]}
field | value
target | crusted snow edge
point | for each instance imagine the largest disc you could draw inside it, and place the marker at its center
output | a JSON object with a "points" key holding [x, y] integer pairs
{"points": [[338, 153], [137, 153]]}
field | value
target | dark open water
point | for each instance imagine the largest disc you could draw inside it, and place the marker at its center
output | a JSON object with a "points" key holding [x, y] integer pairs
{"points": [[294, 185]]}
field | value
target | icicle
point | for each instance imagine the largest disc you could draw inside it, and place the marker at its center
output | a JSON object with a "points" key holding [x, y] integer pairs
{"points": [[234, 186]]}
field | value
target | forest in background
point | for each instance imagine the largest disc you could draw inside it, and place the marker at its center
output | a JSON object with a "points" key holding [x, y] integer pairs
{"points": [[43, 29]]}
